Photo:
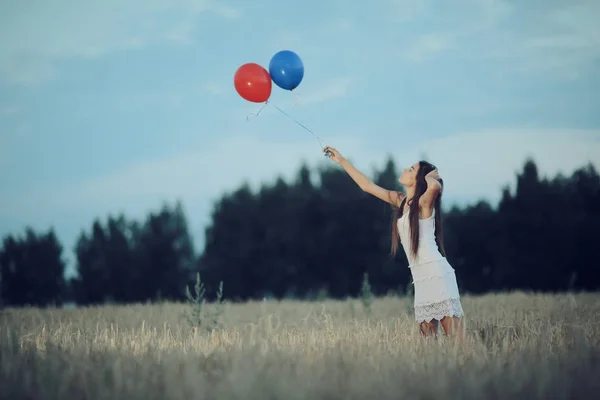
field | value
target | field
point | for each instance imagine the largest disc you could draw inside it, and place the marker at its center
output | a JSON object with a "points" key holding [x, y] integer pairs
{"points": [[517, 346]]}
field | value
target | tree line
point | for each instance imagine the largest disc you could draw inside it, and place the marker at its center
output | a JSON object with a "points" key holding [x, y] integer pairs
{"points": [[316, 235]]}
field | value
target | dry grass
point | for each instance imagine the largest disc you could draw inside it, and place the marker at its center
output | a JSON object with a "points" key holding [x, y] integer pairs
{"points": [[518, 346]]}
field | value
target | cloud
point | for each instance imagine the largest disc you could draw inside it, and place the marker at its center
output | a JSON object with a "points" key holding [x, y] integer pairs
{"points": [[559, 38], [480, 14], [196, 175], [406, 10], [330, 90], [340, 25], [237, 158], [563, 39], [214, 88], [571, 40], [286, 39], [427, 45], [424, 28], [228, 12], [3, 152], [36, 36], [9, 111], [487, 14], [11, 135]]}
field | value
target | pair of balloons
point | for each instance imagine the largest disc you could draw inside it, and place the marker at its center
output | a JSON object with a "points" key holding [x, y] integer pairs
{"points": [[253, 82]]}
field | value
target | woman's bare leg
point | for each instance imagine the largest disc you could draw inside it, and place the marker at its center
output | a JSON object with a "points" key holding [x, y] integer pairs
{"points": [[429, 328], [453, 326]]}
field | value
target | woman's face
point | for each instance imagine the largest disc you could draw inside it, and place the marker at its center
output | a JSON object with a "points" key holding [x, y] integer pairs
{"points": [[409, 175]]}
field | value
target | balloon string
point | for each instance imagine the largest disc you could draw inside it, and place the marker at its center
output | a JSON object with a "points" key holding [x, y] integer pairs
{"points": [[296, 121], [290, 117], [256, 115]]}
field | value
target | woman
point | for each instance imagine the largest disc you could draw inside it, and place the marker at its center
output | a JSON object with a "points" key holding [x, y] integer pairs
{"points": [[417, 224]]}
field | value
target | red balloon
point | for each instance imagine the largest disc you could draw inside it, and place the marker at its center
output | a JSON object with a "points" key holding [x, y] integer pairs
{"points": [[253, 83]]}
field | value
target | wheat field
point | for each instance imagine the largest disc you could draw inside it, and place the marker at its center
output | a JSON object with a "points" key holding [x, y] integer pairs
{"points": [[517, 346]]}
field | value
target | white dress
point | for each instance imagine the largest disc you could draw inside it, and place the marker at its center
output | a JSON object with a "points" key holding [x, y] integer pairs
{"points": [[435, 287]]}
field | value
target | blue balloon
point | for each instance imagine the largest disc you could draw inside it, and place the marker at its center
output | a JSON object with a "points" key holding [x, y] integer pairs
{"points": [[286, 69]]}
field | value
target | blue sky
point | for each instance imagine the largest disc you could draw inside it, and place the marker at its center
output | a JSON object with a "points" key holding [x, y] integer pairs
{"points": [[110, 106]]}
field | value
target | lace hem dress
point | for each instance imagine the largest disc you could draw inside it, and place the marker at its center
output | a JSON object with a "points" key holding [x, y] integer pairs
{"points": [[436, 291], [439, 310]]}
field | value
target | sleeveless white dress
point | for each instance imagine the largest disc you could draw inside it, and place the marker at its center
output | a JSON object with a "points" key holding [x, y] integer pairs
{"points": [[435, 287]]}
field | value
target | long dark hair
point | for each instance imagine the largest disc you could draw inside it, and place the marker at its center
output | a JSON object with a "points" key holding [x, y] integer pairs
{"points": [[420, 188]]}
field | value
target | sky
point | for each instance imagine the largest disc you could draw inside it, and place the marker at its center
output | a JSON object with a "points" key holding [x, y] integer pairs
{"points": [[110, 106]]}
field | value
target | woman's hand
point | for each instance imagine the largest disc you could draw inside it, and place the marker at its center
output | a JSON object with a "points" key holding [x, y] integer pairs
{"points": [[434, 185], [434, 174], [334, 154]]}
